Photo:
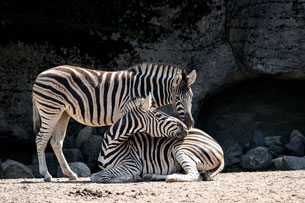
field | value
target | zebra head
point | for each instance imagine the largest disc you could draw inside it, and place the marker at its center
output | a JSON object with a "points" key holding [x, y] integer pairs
{"points": [[183, 96], [156, 123]]}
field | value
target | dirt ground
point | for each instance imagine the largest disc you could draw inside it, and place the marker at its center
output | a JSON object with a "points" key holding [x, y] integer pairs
{"points": [[278, 186]]}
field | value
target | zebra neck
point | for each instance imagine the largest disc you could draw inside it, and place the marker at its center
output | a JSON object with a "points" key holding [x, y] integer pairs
{"points": [[155, 79], [120, 131]]}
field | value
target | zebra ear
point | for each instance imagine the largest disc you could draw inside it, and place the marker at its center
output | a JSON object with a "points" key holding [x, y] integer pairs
{"points": [[147, 103], [178, 78], [191, 78]]}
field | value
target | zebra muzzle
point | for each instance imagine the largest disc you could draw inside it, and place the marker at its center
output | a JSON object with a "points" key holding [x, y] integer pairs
{"points": [[189, 121]]}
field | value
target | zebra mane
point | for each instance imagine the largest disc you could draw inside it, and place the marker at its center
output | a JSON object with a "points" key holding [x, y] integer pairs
{"points": [[132, 104], [144, 66]]}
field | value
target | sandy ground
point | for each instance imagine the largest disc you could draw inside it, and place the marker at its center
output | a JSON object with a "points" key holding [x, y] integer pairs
{"points": [[280, 186]]}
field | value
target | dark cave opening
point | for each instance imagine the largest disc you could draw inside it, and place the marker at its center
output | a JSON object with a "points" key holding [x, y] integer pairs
{"points": [[275, 107]]}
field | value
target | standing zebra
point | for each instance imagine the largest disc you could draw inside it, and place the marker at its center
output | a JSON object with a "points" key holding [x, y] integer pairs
{"points": [[142, 144], [95, 98]]}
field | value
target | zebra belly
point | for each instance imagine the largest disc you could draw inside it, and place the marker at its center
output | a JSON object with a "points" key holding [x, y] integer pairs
{"points": [[95, 122]]}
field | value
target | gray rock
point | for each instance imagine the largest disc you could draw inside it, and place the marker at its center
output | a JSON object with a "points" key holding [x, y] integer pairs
{"points": [[73, 155], [275, 144], [276, 150], [79, 168], [101, 130], [297, 143], [13, 169], [274, 140], [90, 149], [232, 150], [51, 160], [289, 163], [35, 171], [257, 140], [256, 158], [230, 161], [82, 135]]}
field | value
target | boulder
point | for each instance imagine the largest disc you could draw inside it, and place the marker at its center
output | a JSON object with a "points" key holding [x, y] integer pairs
{"points": [[73, 155], [276, 150], [13, 169], [256, 158], [82, 135], [35, 171], [275, 144], [297, 143], [289, 163], [275, 140], [90, 149], [257, 140], [81, 169], [232, 150], [101, 130]]}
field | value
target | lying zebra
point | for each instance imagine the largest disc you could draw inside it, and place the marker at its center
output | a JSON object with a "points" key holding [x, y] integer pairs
{"points": [[142, 146]]}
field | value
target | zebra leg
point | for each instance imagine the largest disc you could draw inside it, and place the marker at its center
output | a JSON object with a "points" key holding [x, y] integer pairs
{"points": [[42, 138], [125, 172], [57, 144], [154, 177], [190, 168]]}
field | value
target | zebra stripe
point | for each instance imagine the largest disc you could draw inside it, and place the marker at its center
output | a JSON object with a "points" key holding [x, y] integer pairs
{"points": [[133, 153]]}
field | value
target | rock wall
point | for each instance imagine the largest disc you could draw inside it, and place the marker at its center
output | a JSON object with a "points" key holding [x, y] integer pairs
{"points": [[225, 41]]}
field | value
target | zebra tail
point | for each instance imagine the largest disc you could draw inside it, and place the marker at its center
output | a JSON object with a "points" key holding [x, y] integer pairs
{"points": [[36, 118], [219, 169]]}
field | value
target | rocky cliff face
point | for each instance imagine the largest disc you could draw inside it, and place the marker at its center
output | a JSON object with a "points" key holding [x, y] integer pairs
{"points": [[225, 41]]}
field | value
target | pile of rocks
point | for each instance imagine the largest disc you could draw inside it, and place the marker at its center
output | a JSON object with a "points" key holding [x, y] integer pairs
{"points": [[261, 153], [279, 152], [82, 158]]}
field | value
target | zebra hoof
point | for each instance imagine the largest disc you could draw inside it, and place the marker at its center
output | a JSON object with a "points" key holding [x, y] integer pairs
{"points": [[95, 178], [48, 179], [73, 177]]}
